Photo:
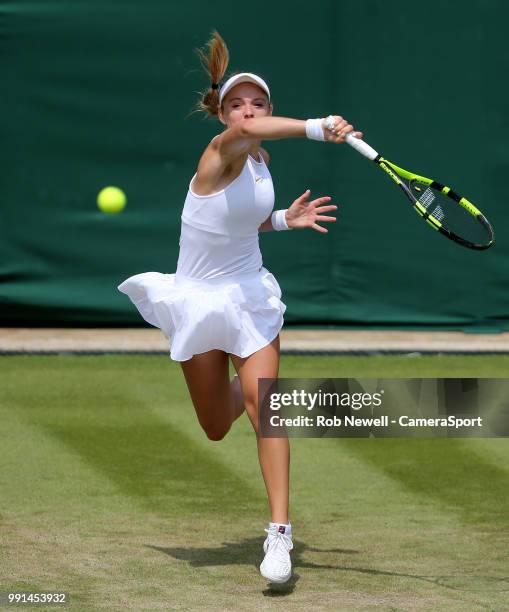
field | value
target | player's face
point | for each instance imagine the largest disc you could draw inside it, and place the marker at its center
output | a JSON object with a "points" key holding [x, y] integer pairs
{"points": [[244, 101]]}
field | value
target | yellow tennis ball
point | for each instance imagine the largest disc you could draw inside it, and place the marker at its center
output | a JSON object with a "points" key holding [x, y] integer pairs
{"points": [[111, 200]]}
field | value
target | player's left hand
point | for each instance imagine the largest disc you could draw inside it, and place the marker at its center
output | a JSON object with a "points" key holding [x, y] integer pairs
{"points": [[303, 213]]}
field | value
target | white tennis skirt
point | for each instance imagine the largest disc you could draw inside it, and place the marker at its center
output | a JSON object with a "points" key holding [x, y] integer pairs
{"points": [[238, 314]]}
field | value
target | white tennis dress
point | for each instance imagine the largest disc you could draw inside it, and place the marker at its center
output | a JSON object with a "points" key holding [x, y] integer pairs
{"points": [[221, 296]]}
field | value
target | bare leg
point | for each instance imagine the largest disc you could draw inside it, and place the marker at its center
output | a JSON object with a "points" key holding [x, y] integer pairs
{"points": [[238, 397], [217, 400], [273, 453]]}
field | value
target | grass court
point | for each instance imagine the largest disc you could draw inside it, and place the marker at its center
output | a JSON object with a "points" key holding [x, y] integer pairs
{"points": [[112, 493]]}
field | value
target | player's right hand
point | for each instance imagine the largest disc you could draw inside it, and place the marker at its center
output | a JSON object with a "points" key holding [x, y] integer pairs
{"points": [[339, 131]]}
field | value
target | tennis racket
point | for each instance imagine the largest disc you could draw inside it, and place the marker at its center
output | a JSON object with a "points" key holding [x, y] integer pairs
{"points": [[442, 208]]}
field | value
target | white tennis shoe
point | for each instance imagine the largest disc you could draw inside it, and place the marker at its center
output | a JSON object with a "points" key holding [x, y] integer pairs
{"points": [[277, 565]]}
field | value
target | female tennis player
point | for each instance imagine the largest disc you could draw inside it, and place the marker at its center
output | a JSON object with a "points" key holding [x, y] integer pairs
{"points": [[222, 303]]}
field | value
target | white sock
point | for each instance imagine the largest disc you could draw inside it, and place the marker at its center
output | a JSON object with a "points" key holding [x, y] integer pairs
{"points": [[287, 526]]}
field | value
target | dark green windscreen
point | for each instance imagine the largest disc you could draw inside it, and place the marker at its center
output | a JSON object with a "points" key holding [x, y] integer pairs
{"points": [[99, 93]]}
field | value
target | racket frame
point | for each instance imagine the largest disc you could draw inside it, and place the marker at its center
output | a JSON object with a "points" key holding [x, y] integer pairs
{"points": [[396, 173]]}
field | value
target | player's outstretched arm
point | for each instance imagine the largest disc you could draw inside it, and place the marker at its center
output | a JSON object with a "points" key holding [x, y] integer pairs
{"points": [[275, 128]]}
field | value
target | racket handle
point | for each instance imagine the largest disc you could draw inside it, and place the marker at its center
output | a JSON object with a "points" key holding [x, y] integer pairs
{"points": [[361, 146]]}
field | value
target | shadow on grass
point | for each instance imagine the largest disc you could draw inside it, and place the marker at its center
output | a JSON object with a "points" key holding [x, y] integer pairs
{"points": [[249, 552]]}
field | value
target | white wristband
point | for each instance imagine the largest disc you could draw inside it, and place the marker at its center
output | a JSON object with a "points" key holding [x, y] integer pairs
{"points": [[278, 220], [314, 129]]}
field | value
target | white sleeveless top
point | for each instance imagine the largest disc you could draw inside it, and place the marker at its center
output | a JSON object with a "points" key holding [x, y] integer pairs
{"points": [[219, 232]]}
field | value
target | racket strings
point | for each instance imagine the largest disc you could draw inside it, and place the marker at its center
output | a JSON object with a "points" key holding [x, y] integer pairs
{"points": [[438, 213], [449, 213], [426, 199]]}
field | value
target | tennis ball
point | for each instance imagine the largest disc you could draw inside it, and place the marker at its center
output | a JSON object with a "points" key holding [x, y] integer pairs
{"points": [[111, 200]]}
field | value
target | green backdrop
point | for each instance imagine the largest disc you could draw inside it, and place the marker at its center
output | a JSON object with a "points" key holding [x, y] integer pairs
{"points": [[99, 93]]}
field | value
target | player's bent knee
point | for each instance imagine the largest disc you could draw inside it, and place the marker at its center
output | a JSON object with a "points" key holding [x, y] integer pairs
{"points": [[216, 436], [214, 423]]}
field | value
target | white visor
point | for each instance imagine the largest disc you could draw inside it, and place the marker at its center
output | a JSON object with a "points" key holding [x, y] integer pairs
{"points": [[243, 77]]}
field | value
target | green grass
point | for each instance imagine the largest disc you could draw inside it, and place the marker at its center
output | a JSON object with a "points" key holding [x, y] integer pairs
{"points": [[111, 492]]}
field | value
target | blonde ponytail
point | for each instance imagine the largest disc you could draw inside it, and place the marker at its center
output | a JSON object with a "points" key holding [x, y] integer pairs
{"points": [[215, 63]]}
